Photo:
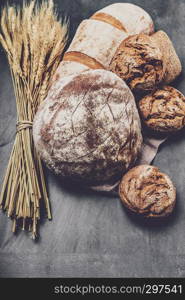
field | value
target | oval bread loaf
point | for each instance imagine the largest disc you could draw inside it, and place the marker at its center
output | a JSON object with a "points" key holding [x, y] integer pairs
{"points": [[133, 19], [99, 37], [97, 40]]}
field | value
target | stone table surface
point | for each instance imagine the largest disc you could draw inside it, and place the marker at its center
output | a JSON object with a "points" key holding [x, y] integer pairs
{"points": [[91, 235]]}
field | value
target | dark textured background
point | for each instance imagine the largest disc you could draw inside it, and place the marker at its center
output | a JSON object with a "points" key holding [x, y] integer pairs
{"points": [[92, 235]]}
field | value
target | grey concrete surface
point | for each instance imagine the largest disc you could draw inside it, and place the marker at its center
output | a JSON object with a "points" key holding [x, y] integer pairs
{"points": [[92, 235]]}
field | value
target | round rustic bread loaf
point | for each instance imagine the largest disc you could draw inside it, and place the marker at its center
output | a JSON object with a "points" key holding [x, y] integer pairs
{"points": [[88, 128], [163, 110], [139, 61], [147, 191]]}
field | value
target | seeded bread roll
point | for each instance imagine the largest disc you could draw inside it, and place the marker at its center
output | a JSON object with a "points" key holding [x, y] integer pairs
{"points": [[139, 61], [88, 128], [147, 191], [163, 110]]}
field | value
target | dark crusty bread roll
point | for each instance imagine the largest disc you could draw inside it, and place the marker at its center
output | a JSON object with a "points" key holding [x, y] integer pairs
{"points": [[163, 110], [147, 191], [88, 128], [145, 61], [139, 61]]}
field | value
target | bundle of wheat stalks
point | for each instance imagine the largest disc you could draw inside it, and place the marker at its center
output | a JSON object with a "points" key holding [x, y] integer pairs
{"points": [[34, 41]]}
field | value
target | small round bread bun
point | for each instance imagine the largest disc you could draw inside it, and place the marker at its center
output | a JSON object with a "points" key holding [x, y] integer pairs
{"points": [[139, 61], [147, 191], [163, 110]]}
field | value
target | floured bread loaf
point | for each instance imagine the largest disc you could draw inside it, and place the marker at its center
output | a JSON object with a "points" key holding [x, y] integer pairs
{"points": [[88, 128], [97, 39], [67, 68], [126, 16]]}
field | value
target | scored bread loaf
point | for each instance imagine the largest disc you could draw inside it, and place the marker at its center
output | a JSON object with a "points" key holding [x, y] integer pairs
{"points": [[126, 16], [97, 38], [88, 128]]}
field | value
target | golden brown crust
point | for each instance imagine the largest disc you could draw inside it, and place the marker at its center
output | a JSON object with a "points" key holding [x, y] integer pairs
{"points": [[139, 61], [100, 16], [82, 58], [163, 110], [147, 191], [170, 57]]}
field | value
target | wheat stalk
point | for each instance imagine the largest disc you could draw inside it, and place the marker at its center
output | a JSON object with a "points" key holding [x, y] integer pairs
{"points": [[34, 40]]}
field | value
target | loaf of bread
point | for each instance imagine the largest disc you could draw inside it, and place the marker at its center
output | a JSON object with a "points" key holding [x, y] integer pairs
{"points": [[163, 110], [146, 61], [171, 60], [88, 128], [97, 38], [127, 17], [147, 191]]}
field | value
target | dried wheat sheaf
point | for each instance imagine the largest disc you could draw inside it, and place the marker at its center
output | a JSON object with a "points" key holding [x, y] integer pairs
{"points": [[34, 40]]}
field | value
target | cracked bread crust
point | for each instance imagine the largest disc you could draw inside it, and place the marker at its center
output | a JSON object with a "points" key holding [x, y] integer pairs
{"points": [[88, 128], [139, 61], [147, 191], [163, 110]]}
